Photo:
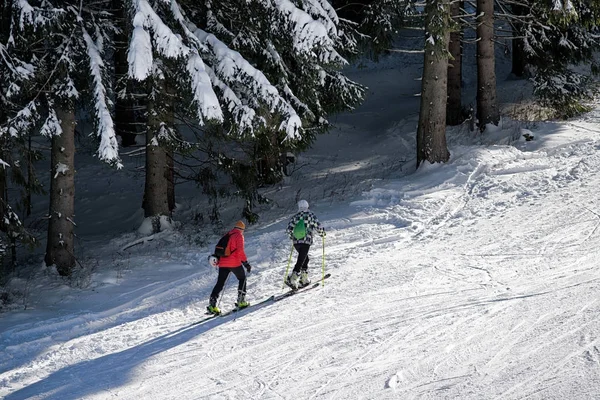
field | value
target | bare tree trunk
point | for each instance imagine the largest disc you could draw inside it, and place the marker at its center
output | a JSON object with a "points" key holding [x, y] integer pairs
{"points": [[487, 103], [6, 222], [125, 118], [454, 107], [518, 48], [5, 12], [157, 189], [431, 132], [30, 176], [171, 181], [60, 245], [156, 199]]}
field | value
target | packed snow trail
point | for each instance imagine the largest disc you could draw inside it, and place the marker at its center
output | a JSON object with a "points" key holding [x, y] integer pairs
{"points": [[481, 282]]}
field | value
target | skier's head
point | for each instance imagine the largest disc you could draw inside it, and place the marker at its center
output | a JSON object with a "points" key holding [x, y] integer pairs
{"points": [[303, 205], [240, 225]]}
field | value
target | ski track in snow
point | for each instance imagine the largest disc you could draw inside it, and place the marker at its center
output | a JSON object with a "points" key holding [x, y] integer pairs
{"points": [[442, 347]]}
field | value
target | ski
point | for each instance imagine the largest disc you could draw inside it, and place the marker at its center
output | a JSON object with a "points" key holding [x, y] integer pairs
{"points": [[299, 290], [275, 297], [234, 310]]}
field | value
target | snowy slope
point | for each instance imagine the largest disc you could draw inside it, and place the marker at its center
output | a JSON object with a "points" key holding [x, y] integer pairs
{"points": [[477, 279]]}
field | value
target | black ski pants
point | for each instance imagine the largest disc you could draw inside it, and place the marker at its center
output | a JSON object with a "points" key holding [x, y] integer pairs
{"points": [[239, 273], [302, 262]]}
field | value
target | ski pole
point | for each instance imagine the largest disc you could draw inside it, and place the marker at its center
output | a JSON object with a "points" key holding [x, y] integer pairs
{"points": [[323, 279], [288, 265]]}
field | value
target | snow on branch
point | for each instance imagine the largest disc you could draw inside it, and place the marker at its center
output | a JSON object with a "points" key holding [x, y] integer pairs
{"points": [[51, 125], [23, 121], [186, 26], [243, 115], [324, 12], [140, 49], [26, 13], [109, 148], [204, 95], [139, 56], [233, 67], [169, 45], [309, 35], [34, 16]]}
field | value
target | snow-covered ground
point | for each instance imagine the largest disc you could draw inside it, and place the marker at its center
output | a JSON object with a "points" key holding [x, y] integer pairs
{"points": [[476, 279]]}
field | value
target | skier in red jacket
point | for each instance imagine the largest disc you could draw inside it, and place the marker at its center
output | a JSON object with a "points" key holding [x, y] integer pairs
{"points": [[235, 262]]}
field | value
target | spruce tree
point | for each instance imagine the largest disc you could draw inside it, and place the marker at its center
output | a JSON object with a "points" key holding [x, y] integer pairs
{"points": [[555, 36], [57, 65], [257, 78]]}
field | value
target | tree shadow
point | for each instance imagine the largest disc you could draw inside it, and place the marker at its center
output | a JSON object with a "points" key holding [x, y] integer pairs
{"points": [[113, 370]]}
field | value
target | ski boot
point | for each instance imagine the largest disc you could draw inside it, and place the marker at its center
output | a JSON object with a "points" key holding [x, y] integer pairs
{"points": [[304, 281], [212, 307], [292, 280], [241, 301]]}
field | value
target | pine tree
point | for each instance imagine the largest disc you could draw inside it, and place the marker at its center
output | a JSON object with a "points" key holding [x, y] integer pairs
{"points": [[376, 21], [59, 52], [267, 74], [555, 36]]}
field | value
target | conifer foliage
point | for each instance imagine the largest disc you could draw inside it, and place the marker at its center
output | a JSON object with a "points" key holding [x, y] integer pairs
{"points": [[557, 35], [261, 77], [54, 61], [258, 78]]}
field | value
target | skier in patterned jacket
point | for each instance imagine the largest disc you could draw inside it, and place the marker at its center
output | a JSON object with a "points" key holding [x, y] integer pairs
{"points": [[299, 276]]}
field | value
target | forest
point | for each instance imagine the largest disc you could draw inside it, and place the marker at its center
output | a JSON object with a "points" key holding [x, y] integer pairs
{"points": [[225, 93]]}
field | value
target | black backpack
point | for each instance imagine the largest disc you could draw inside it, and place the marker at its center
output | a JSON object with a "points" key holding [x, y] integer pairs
{"points": [[222, 247]]}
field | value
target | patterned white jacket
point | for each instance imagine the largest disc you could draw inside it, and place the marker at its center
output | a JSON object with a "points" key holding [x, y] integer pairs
{"points": [[312, 224]]}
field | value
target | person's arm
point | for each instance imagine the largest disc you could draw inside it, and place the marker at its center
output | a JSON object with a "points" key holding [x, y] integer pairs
{"points": [[242, 253], [290, 228], [319, 227]]}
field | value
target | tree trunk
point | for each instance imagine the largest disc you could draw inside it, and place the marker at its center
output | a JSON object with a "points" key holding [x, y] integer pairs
{"points": [[6, 7], [171, 181], [454, 107], [30, 176], [431, 132], [125, 118], [518, 48], [487, 103], [60, 245], [156, 199], [158, 187], [267, 155]]}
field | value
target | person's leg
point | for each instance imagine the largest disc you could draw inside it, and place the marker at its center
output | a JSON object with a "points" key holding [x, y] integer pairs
{"points": [[302, 262], [240, 274], [304, 281], [222, 278]]}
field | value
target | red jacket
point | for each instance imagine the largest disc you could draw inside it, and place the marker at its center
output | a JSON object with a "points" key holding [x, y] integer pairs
{"points": [[236, 246]]}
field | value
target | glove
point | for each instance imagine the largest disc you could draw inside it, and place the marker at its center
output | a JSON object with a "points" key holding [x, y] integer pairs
{"points": [[247, 265]]}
